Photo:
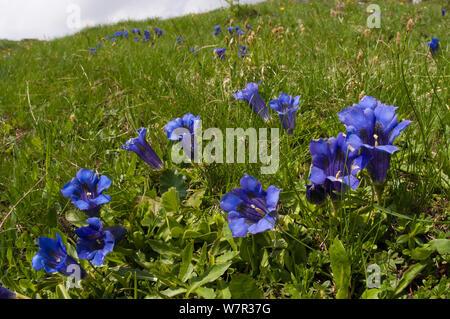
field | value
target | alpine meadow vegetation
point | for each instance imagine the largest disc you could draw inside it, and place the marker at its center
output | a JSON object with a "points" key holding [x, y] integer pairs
{"points": [[358, 206]]}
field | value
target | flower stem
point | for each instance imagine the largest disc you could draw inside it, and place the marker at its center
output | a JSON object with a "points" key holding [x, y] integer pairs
{"points": [[378, 189]]}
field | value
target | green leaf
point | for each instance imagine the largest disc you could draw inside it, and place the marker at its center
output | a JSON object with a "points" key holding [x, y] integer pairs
{"points": [[196, 199], [341, 268], [139, 274], [243, 286], [210, 275], [170, 200], [441, 245], [409, 276], [163, 248], [370, 294], [170, 179], [76, 218], [207, 293], [172, 292], [186, 266], [421, 253]]}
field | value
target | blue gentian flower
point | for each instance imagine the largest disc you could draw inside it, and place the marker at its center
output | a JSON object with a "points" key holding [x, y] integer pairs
{"points": [[134, 30], [93, 50], [147, 35], [249, 26], [179, 39], [117, 34], [136, 39], [193, 51], [86, 191], [376, 125], [242, 51], [217, 30], [113, 39], [240, 32], [220, 53], [95, 243], [183, 129], [250, 96], [434, 45], [286, 106], [52, 257], [6, 293], [443, 11], [250, 208], [158, 31], [125, 34], [334, 164], [230, 30], [140, 146]]}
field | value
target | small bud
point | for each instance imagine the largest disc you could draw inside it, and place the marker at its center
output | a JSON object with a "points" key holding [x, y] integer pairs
{"points": [[359, 57], [227, 39], [258, 28], [72, 117], [367, 32], [399, 38]]}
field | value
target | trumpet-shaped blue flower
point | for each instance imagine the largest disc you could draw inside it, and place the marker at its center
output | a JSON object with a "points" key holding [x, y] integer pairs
{"points": [[242, 51], [158, 31], [443, 11], [220, 53], [52, 257], [140, 146], [334, 164], [434, 45], [6, 293], [250, 208], [286, 106], [217, 29], [86, 191], [179, 39], [147, 35], [251, 97], [376, 125], [95, 243], [183, 129]]}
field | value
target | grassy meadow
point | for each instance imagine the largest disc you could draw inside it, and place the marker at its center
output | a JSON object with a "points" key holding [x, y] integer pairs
{"points": [[64, 107]]}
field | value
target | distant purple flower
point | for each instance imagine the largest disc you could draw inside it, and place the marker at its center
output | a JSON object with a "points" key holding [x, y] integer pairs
{"points": [[113, 39], [95, 243], [52, 257], [334, 164], [140, 146], [251, 97], [93, 50], [86, 191], [434, 45], [179, 39], [231, 29], [137, 31], [194, 51], [158, 31], [443, 11], [249, 27], [6, 293], [220, 53], [242, 51], [376, 125], [217, 29], [117, 34], [240, 32], [250, 208], [286, 106], [136, 39], [125, 34], [146, 35]]}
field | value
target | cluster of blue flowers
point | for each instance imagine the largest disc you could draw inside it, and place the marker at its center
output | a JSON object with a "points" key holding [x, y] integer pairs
{"points": [[95, 242], [371, 129], [285, 105], [138, 35]]}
